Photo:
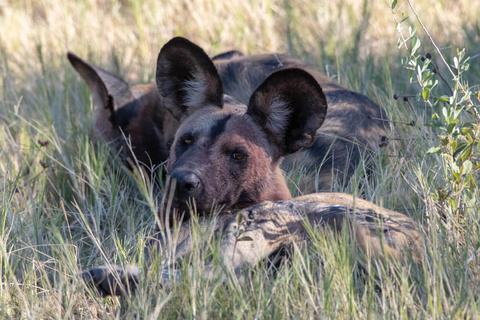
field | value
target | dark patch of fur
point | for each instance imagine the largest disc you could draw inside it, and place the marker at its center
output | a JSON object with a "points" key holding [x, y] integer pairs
{"points": [[218, 128], [228, 55]]}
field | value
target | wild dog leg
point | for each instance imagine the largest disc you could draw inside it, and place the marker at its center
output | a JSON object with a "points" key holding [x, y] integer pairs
{"points": [[113, 280], [272, 225], [117, 280]]}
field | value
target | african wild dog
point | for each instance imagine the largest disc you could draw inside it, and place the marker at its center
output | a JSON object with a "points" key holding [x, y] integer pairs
{"points": [[229, 154], [354, 125], [224, 152]]}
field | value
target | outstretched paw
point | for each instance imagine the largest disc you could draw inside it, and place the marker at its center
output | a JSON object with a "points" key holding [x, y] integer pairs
{"points": [[112, 280]]}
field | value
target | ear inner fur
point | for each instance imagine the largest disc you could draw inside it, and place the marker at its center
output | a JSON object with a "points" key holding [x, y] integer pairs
{"points": [[290, 107], [109, 93], [187, 78], [100, 80]]}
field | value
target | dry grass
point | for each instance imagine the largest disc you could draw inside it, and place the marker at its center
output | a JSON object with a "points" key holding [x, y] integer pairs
{"points": [[66, 206]]}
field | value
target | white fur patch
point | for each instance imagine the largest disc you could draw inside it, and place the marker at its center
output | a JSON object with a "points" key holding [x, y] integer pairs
{"points": [[280, 112], [195, 90]]}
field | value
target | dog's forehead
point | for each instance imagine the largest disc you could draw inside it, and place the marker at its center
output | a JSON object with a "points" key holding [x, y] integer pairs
{"points": [[213, 120]]}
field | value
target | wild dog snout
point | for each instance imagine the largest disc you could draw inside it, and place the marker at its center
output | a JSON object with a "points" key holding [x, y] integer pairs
{"points": [[188, 184]]}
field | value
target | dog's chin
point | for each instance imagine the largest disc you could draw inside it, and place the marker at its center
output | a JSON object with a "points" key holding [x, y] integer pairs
{"points": [[190, 207], [178, 205], [184, 206]]}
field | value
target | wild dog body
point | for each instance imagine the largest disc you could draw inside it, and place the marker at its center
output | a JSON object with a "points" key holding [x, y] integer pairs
{"points": [[354, 124], [229, 154]]}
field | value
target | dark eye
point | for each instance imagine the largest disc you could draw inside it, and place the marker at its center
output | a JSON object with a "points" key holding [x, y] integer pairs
{"points": [[238, 155], [187, 139]]}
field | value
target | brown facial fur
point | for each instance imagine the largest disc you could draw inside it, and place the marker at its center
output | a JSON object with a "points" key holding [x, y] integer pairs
{"points": [[225, 181], [223, 155]]}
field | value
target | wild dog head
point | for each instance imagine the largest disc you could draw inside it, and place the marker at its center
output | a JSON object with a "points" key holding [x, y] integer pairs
{"points": [[225, 153], [135, 113]]}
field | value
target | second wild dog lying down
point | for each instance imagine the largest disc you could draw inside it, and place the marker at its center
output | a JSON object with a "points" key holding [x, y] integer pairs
{"points": [[354, 125], [227, 154], [271, 226]]}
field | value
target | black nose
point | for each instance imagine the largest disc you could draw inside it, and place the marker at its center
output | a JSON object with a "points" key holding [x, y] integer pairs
{"points": [[188, 183]]}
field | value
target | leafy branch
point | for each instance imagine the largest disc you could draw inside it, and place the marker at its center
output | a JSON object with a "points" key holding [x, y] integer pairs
{"points": [[455, 116]]}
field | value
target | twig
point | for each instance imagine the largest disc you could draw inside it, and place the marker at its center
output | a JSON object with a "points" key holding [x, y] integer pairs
{"points": [[430, 37], [411, 123], [399, 31], [437, 49], [437, 71]]}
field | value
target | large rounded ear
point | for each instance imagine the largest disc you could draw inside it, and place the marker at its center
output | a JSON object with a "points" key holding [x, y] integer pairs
{"points": [[187, 78], [109, 93], [290, 107]]}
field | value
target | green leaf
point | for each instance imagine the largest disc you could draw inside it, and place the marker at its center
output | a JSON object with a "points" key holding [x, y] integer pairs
{"points": [[416, 44], [419, 73], [239, 218], [453, 144], [456, 112], [426, 94], [451, 126], [434, 124], [456, 175], [460, 147], [399, 43], [445, 112], [467, 167], [443, 98], [445, 140], [467, 135], [426, 77], [412, 30], [466, 153], [434, 150], [464, 67], [473, 184], [404, 61], [393, 4]]}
